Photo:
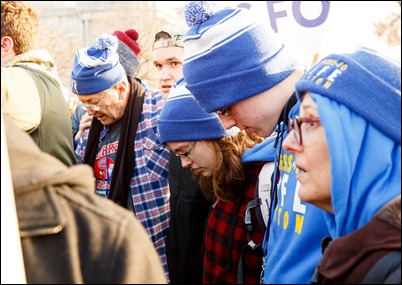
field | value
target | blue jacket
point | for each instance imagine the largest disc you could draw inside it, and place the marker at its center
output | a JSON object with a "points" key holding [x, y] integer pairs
{"points": [[292, 243]]}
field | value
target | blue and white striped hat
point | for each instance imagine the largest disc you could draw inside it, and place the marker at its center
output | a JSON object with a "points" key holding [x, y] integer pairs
{"points": [[183, 119], [97, 68], [230, 55]]}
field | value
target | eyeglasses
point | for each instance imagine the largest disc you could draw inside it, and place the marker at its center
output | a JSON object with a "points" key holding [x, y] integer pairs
{"points": [[95, 107], [187, 153], [295, 124]]}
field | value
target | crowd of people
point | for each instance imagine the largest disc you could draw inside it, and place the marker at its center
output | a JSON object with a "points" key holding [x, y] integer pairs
{"points": [[142, 185]]}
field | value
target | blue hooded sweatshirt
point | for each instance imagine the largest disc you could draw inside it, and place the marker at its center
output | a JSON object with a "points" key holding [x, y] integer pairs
{"points": [[365, 167], [292, 243]]}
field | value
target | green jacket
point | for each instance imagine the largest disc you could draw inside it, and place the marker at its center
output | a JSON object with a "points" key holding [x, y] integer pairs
{"points": [[34, 98]]}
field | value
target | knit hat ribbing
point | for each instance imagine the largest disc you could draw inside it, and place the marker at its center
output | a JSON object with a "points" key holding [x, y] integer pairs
{"points": [[130, 38], [230, 55], [183, 119], [364, 81], [97, 68], [128, 50]]}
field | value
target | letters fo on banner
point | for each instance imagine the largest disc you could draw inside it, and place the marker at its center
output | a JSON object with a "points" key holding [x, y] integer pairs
{"points": [[300, 24]]}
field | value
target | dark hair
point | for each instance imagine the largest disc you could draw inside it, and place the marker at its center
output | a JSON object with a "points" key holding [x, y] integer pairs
{"points": [[162, 35]]}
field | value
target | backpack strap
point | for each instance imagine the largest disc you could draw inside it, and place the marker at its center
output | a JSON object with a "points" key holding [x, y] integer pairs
{"points": [[249, 228], [387, 270], [263, 190], [248, 225], [263, 184]]}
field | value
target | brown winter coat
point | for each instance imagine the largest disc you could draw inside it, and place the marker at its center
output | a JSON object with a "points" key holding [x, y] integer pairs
{"points": [[348, 259], [68, 233]]}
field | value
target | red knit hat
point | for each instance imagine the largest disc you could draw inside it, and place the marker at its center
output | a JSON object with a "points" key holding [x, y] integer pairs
{"points": [[130, 38]]}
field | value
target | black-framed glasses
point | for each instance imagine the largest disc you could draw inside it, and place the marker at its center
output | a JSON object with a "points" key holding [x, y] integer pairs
{"points": [[187, 153], [295, 124], [95, 106]]}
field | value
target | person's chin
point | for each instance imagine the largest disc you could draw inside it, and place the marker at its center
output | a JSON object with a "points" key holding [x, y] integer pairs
{"points": [[105, 120], [201, 172], [306, 194], [165, 92], [197, 175]]}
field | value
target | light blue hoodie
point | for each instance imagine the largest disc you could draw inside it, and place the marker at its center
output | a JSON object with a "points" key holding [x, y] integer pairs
{"points": [[365, 167]]}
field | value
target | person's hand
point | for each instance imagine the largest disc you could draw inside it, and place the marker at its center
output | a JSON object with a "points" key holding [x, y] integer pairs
{"points": [[84, 124]]}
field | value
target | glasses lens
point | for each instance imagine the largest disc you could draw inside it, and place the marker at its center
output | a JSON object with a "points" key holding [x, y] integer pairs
{"points": [[91, 107], [181, 155], [186, 154], [296, 129]]}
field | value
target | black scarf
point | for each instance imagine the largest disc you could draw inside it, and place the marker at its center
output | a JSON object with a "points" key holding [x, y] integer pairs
{"points": [[125, 157]]}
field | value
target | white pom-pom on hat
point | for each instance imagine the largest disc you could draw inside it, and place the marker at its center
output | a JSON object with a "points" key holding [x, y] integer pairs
{"points": [[196, 12]]}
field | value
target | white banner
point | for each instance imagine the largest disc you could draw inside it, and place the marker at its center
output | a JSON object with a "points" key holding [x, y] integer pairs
{"points": [[314, 29]]}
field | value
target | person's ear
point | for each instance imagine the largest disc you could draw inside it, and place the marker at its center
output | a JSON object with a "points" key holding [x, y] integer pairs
{"points": [[7, 48], [123, 89]]}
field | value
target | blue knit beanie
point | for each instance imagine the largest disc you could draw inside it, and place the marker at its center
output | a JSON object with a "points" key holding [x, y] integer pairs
{"points": [[97, 68], [230, 55], [365, 81], [183, 119]]}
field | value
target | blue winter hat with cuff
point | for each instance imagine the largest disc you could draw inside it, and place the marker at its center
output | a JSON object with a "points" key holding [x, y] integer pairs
{"points": [[97, 68], [183, 119], [230, 55], [365, 81]]}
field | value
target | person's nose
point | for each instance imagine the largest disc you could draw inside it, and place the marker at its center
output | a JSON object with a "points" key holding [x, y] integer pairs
{"points": [[91, 112], [186, 162], [227, 121], [164, 74], [290, 144]]}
